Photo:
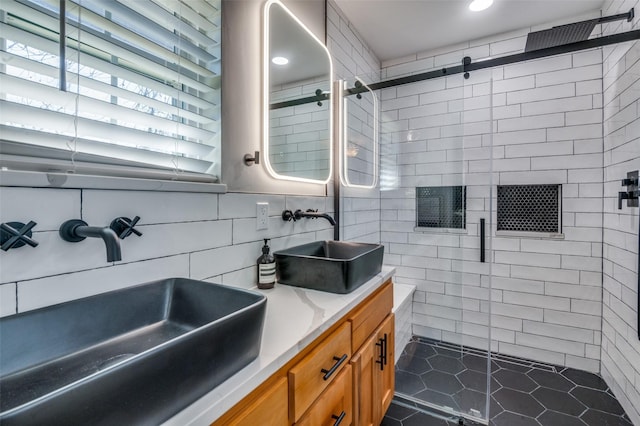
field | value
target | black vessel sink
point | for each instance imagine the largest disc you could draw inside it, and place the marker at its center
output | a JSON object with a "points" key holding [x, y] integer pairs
{"points": [[333, 266], [132, 356]]}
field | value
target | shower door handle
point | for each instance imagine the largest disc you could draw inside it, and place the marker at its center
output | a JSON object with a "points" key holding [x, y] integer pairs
{"points": [[482, 240]]}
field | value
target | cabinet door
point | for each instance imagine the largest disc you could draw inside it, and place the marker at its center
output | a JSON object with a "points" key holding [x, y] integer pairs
{"points": [[335, 406], [364, 371], [374, 376], [269, 410], [385, 382]]}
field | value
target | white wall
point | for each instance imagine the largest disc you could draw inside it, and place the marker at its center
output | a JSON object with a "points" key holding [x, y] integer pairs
{"points": [[202, 236], [546, 118], [620, 344]]}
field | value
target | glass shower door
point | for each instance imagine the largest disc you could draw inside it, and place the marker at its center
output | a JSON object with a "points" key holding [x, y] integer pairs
{"points": [[475, 264], [444, 161]]}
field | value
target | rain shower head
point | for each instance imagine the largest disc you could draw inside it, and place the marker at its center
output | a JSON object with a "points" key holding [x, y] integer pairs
{"points": [[570, 33]]}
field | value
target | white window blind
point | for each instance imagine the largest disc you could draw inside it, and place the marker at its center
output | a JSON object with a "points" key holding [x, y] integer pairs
{"points": [[130, 83]]}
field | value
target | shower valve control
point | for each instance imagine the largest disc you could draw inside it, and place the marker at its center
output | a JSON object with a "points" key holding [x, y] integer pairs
{"points": [[631, 194]]}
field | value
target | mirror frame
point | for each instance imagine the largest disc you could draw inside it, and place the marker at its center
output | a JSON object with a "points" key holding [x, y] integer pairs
{"points": [[343, 142], [266, 92]]}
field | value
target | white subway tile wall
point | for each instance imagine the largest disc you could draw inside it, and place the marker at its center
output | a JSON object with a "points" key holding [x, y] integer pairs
{"points": [[201, 236], [620, 343], [546, 118], [360, 208]]}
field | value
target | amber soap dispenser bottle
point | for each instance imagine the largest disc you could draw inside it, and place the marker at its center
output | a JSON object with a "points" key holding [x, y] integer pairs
{"points": [[266, 268]]}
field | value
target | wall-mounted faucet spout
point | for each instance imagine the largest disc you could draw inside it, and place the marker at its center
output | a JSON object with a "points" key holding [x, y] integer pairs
{"points": [[76, 230], [288, 215], [299, 214]]}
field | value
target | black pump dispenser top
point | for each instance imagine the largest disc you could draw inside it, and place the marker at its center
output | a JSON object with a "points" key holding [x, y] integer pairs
{"points": [[265, 248]]}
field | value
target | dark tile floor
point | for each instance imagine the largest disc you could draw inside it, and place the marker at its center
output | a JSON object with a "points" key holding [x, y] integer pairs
{"points": [[522, 392]]}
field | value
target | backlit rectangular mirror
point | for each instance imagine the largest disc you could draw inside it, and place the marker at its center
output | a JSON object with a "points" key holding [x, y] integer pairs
{"points": [[298, 123]]}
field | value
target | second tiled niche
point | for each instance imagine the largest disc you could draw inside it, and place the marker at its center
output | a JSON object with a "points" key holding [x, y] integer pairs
{"points": [[529, 208]]}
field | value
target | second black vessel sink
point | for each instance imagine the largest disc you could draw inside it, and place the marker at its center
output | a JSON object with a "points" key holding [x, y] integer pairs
{"points": [[332, 266]]}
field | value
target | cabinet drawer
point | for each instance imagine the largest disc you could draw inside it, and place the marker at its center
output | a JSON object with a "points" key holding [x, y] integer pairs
{"points": [[309, 377], [269, 410], [366, 319], [335, 405]]}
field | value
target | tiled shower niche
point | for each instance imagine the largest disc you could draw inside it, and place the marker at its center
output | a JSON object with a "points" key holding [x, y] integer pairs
{"points": [[441, 207], [529, 208]]}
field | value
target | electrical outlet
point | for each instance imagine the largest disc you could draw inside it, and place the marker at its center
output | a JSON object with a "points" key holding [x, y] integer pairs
{"points": [[262, 214]]}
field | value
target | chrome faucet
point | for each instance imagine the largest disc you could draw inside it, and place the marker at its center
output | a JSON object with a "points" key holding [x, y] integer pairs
{"points": [[76, 230], [287, 215]]}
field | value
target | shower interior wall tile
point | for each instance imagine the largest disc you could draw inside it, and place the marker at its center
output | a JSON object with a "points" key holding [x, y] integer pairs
{"points": [[620, 343], [542, 282]]}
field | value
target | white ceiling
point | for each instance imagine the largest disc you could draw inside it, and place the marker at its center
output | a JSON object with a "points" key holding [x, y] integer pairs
{"points": [[397, 28]]}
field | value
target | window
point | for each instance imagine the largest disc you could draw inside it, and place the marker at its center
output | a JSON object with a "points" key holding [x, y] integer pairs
{"points": [[130, 83], [529, 208], [441, 206]]}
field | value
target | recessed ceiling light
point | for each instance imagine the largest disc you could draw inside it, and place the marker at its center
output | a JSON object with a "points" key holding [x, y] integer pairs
{"points": [[478, 5], [280, 60]]}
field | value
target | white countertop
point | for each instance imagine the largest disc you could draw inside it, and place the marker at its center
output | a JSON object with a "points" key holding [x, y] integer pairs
{"points": [[295, 317]]}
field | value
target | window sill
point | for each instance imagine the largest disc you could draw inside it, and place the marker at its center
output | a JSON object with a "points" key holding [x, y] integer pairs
{"points": [[77, 181]]}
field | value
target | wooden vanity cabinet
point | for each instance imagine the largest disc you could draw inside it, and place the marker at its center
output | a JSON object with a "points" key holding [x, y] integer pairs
{"points": [[373, 361], [345, 377], [374, 375]]}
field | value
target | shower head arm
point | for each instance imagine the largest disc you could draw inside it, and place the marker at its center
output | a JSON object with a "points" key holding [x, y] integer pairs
{"points": [[628, 16]]}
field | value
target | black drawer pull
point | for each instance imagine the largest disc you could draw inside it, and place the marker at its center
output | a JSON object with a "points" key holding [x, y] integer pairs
{"points": [[339, 418], [329, 372]]}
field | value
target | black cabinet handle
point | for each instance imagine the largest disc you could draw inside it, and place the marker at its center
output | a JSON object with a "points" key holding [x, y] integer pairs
{"points": [[385, 347], [329, 372], [482, 240], [382, 344], [339, 418]]}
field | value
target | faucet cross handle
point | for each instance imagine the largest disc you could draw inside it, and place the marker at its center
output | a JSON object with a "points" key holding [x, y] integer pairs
{"points": [[123, 226], [16, 234], [288, 216]]}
